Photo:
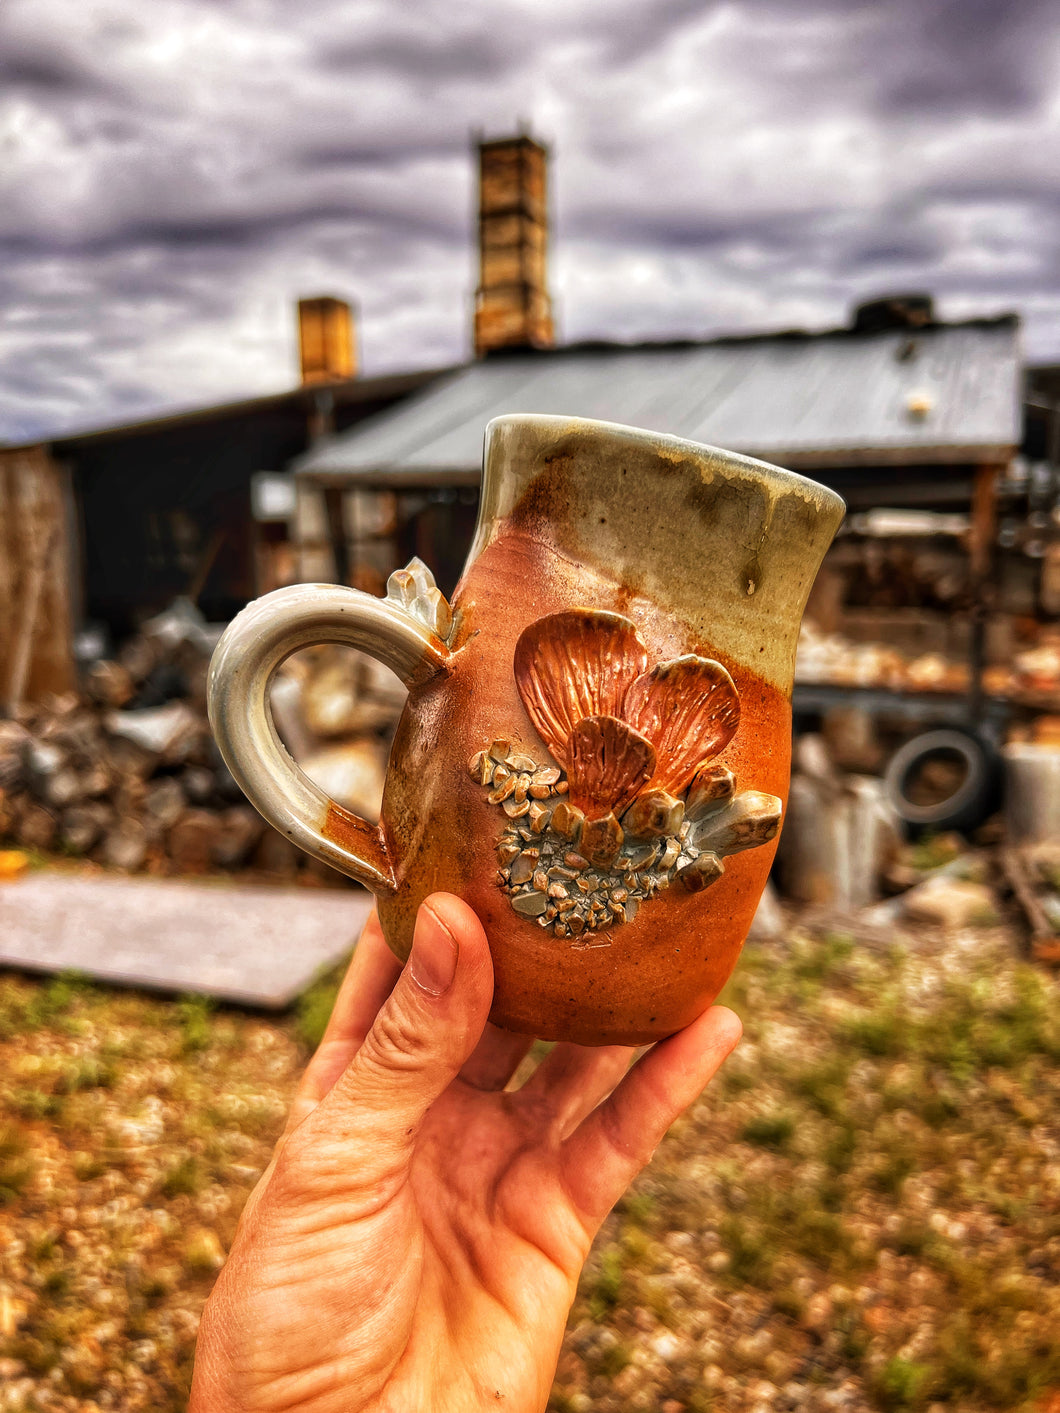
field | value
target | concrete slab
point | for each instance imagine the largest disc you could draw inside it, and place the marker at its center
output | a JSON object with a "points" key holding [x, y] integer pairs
{"points": [[258, 946]]}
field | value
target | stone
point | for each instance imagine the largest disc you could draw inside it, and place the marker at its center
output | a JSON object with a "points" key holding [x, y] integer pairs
{"points": [[950, 903], [190, 843], [524, 765], [530, 904], [37, 827], [668, 857], [643, 856], [126, 847], [653, 814], [109, 683], [707, 869], [82, 826], [539, 816], [601, 840], [749, 819], [546, 775], [169, 733], [163, 804], [480, 768], [523, 867], [710, 788], [567, 819], [241, 829], [503, 785]]}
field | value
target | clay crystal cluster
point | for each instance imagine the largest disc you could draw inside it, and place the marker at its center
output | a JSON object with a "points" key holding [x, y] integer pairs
{"points": [[635, 803]]}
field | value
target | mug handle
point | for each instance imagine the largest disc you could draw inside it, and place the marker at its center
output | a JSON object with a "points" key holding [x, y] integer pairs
{"points": [[250, 650]]}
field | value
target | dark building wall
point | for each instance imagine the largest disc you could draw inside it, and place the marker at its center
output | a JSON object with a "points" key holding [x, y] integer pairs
{"points": [[164, 509], [168, 512]]}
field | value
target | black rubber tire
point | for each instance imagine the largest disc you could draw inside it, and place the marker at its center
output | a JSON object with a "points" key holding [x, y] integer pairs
{"points": [[974, 799]]}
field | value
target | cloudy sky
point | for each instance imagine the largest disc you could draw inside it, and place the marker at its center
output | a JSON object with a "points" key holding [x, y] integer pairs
{"points": [[174, 174]]}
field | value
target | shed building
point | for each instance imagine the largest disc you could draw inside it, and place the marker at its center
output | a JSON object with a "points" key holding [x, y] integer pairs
{"points": [[924, 416]]}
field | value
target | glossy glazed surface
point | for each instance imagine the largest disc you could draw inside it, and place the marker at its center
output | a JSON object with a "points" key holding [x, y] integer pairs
{"points": [[639, 599], [672, 538], [660, 970]]}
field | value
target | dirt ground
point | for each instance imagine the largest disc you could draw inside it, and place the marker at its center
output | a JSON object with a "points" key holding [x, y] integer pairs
{"points": [[863, 1212]]}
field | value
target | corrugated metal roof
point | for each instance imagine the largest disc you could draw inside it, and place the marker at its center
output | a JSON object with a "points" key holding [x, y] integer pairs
{"points": [[807, 399]]}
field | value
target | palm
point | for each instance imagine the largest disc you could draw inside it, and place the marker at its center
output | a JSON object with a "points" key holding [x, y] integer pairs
{"points": [[389, 1265], [500, 1245]]}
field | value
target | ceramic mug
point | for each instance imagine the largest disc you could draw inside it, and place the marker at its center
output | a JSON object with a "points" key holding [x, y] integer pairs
{"points": [[595, 750]]}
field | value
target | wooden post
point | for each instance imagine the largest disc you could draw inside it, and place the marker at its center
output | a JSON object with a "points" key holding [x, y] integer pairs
{"points": [[36, 650], [981, 555]]}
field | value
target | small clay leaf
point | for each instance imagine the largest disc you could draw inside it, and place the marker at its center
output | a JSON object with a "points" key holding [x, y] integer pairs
{"points": [[689, 709], [610, 764], [573, 665]]}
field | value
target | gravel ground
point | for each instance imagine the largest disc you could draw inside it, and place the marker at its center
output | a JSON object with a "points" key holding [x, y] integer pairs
{"points": [[863, 1213]]}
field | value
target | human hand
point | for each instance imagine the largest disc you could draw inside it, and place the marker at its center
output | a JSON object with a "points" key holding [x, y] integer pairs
{"points": [[416, 1242]]}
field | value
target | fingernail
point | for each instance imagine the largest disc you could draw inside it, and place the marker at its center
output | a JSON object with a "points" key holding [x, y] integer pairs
{"points": [[432, 964]]}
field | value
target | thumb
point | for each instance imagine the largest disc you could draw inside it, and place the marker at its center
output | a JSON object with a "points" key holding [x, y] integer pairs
{"points": [[424, 1032]]}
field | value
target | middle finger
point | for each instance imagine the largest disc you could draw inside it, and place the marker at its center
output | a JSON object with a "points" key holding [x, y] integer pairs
{"points": [[573, 1080]]}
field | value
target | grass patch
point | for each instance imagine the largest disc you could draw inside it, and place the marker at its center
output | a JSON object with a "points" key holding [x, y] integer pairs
{"points": [[315, 1005], [606, 1285], [195, 1014], [768, 1130], [16, 1166], [901, 1382], [185, 1178], [872, 1162]]}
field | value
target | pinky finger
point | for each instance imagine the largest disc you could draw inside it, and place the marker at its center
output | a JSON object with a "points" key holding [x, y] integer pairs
{"points": [[609, 1148]]}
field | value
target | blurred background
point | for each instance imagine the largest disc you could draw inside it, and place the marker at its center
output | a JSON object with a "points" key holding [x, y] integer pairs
{"points": [[266, 276]]}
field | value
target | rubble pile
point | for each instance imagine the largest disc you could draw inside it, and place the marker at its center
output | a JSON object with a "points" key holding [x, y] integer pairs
{"points": [[830, 659], [127, 774]]}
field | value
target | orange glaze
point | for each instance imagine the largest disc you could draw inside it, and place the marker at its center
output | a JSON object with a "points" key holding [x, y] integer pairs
{"points": [[653, 975]]}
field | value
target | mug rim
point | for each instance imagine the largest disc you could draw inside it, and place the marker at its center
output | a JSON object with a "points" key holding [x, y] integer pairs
{"points": [[784, 480]]}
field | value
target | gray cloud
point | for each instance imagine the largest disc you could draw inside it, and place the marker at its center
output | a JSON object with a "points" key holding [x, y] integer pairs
{"points": [[173, 176]]}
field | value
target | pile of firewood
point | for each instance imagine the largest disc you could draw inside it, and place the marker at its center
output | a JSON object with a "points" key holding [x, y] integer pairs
{"points": [[126, 772]]}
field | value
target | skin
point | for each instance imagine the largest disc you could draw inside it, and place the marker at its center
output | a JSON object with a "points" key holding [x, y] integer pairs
{"points": [[417, 1239]]}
